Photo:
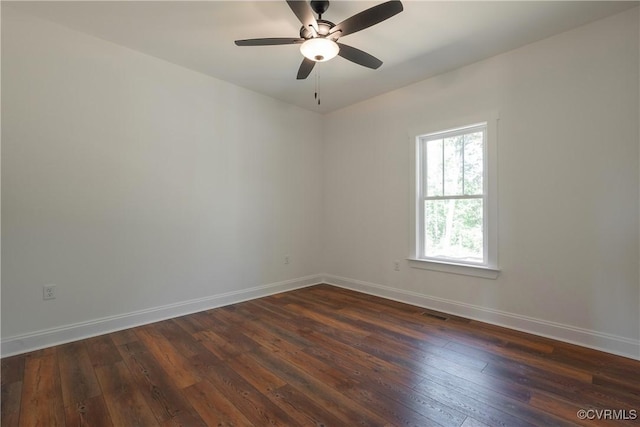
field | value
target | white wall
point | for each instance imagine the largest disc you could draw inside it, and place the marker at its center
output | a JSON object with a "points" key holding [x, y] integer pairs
{"points": [[568, 187], [134, 184]]}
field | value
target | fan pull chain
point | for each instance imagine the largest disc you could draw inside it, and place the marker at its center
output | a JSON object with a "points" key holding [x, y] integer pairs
{"points": [[316, 95]]}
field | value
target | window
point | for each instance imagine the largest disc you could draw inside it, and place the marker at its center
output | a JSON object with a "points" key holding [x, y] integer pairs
{"points": [[455, 222]]}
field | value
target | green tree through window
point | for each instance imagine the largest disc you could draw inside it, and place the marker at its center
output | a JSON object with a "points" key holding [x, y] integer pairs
{"points": [[452, 194]]}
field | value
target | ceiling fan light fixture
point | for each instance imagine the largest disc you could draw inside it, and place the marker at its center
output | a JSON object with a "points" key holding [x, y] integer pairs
{"points": [[319, 49]]}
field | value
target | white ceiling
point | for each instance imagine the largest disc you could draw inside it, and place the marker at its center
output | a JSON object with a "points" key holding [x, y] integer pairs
{"points": [[426, 39]]}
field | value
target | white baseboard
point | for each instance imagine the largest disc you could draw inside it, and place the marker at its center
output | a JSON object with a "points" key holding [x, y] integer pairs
{"points": [[49, 337], [46, 338], [587, 338]]}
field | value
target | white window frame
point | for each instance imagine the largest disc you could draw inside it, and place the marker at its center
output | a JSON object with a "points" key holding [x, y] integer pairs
{"points": [[489, 268]]}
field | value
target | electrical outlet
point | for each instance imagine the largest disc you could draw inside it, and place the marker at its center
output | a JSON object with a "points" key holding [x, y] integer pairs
{"points": [[49, 292], [396, 265], [287, 259]]}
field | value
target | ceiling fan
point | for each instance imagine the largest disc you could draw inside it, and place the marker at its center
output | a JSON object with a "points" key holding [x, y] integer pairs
{"points": [[319, 38]]}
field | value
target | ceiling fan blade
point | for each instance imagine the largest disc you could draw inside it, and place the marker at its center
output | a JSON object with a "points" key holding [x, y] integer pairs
{"points": [[305, 69], [269, 41], [303, 11], [358, 56], [368, 17]]}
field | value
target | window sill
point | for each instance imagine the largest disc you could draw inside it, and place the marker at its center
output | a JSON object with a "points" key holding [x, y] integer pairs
{"points": [[464, 269]]}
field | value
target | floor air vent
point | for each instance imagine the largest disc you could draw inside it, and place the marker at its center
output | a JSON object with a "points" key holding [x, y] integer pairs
{"points": [[434, 315]]}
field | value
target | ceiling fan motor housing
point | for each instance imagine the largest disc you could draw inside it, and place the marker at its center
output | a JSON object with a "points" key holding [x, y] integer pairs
{"points": [[324, 27]]}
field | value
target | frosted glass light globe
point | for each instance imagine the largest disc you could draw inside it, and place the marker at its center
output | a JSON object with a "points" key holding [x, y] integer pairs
{"points": [[319, 49]]}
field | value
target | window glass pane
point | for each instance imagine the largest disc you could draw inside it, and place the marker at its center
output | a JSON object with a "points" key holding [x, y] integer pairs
{"points": [[434, 167], [453, 147], [453, 229], [473, 163]]}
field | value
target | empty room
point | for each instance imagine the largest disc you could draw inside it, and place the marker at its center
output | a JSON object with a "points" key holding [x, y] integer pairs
{"points": [[294, 213]]}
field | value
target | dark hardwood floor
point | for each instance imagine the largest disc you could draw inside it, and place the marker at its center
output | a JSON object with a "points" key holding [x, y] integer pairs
{"points": [[320, 356]]}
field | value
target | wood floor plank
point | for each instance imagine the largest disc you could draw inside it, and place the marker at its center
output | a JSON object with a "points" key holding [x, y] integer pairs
{"points": [[126, 404], [213, 407], [102, 350], [492, 392], [489, 352], [123, 337], [392, 383], [371, 320], [253, 404], [514, 339], [569, 411], [41, 403], [565, 387], [165, 399], [11, 376], [217, 345], [273, 308], [78, 379], [356, 362], [168, 356], [223, 334], [91, 412], [295, 333], [184, 343], [347, 410], [273, 337], [415, 331], [415, 410], [189, 324], [628, 386], [10, 403], [317, 356], [471, 422], [333, 322], [302, 408], [404, 350], [467, 405], [256, 374], [12, 369]]}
